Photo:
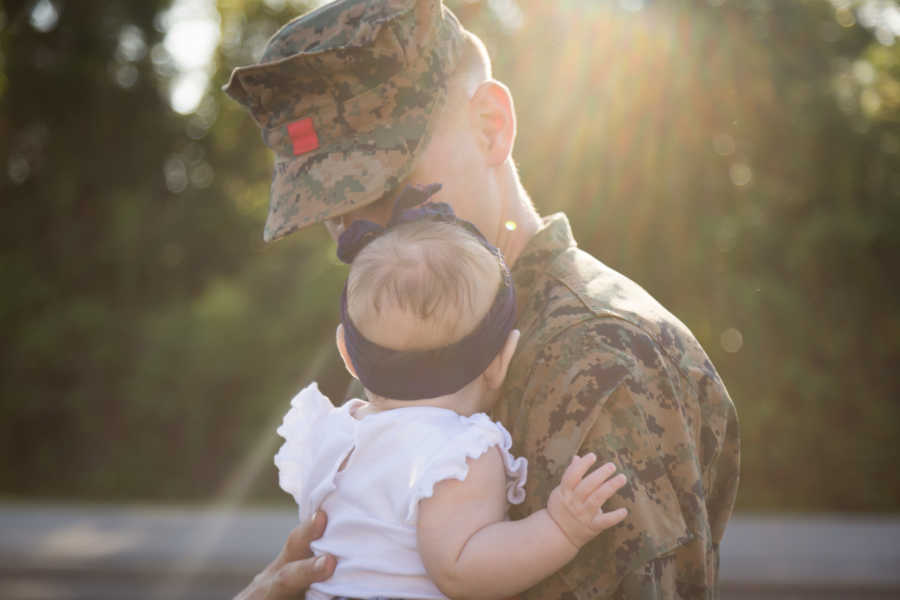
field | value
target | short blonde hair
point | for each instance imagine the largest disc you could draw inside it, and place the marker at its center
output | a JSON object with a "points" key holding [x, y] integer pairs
{"points": [[473, 69], [437, 273], [474, 60]]}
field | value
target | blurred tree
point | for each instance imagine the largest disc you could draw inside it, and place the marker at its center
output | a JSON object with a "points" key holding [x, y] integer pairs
{"points": [[136, 302], [85, 134], [741, 160]]}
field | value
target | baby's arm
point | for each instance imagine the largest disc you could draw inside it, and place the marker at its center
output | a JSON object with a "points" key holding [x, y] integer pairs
{"points": [[470, 551]]}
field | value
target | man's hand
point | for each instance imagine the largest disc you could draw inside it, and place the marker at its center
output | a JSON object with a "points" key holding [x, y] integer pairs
{"points": [[295, 568], [576, 504]]}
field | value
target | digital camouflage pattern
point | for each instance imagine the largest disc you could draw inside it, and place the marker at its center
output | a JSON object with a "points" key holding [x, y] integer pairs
{"points": [[369, 75], [601, 366]]}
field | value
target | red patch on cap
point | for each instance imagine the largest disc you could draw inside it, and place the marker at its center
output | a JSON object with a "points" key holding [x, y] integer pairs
{"points": [[303, 135]]}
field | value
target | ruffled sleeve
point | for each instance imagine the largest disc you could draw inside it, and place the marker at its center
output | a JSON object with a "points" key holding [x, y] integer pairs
{"points": [[293, 459], [477, 436]]}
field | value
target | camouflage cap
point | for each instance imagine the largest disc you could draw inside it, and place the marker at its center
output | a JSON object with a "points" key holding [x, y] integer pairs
{"points": [[345, 96]]}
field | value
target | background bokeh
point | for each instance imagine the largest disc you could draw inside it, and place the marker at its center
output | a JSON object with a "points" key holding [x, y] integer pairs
{"points": [[740, 159]]}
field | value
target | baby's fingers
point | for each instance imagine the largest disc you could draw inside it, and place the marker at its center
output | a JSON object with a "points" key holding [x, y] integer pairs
{"points": [[576, 470], [593, 481], [603, 493], [606, 520]]}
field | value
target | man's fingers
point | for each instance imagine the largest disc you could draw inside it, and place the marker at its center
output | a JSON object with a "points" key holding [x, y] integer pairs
{"points": [[607, 520], [295, 568], [297, 545], [593, 481], [605, 491], [576, 470], [295, 577]]}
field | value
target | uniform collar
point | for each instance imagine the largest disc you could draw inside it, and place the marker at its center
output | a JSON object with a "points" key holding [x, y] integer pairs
{"points": [[553, 238]]}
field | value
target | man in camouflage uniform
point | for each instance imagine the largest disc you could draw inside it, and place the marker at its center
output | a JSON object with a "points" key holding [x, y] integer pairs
{"points": [[359, 98]]}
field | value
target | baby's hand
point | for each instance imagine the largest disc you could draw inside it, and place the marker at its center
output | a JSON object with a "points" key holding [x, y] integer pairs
{"points": [[576, 504]]}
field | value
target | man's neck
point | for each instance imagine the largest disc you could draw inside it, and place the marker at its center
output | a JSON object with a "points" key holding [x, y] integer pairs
{"points": [[519, 221]]}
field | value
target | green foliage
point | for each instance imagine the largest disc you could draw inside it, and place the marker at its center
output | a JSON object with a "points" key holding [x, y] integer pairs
{"points": [[739, 160]]}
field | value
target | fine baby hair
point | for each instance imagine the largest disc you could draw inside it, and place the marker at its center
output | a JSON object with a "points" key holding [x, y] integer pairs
{"points": [[435, 273]]}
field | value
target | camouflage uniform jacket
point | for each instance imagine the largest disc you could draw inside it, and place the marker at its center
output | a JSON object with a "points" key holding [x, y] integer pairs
{"points": [[603, 367]]}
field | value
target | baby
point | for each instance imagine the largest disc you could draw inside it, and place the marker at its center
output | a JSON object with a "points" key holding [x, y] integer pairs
{"points": [[415, 481]]}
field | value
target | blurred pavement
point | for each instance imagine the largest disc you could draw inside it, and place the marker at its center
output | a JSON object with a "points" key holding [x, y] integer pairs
{"points": [[140, 553]]}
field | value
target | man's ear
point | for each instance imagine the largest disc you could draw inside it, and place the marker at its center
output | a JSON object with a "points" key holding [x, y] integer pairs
{"points": [[493, 115], [496, 371], [342, 350]]}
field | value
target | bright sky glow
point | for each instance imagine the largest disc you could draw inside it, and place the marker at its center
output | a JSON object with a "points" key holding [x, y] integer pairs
{"points": [[192, 35], [881, 16], [44, 16], [631, 5], [187, 91], [508, 12]]}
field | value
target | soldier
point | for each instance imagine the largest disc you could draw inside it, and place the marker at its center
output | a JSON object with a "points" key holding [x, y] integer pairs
{"points": [[359, 98]]}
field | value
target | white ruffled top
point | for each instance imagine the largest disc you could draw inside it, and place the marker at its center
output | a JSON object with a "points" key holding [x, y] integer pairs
{"points": [[393, 459]]}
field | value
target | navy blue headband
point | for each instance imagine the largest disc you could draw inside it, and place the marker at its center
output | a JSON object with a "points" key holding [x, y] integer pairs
{"points": [[419, 374], [361, 232]]}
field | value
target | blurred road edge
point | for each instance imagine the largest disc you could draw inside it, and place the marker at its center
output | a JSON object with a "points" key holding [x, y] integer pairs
{"points": [[98, 552]]}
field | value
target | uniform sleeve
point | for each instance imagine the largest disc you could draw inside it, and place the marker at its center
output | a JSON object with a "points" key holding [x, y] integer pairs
{"points": [[604, 387]]}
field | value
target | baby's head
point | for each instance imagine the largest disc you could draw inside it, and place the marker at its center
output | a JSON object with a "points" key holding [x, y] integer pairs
{"points": [[427, 285], [422, 285]]}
